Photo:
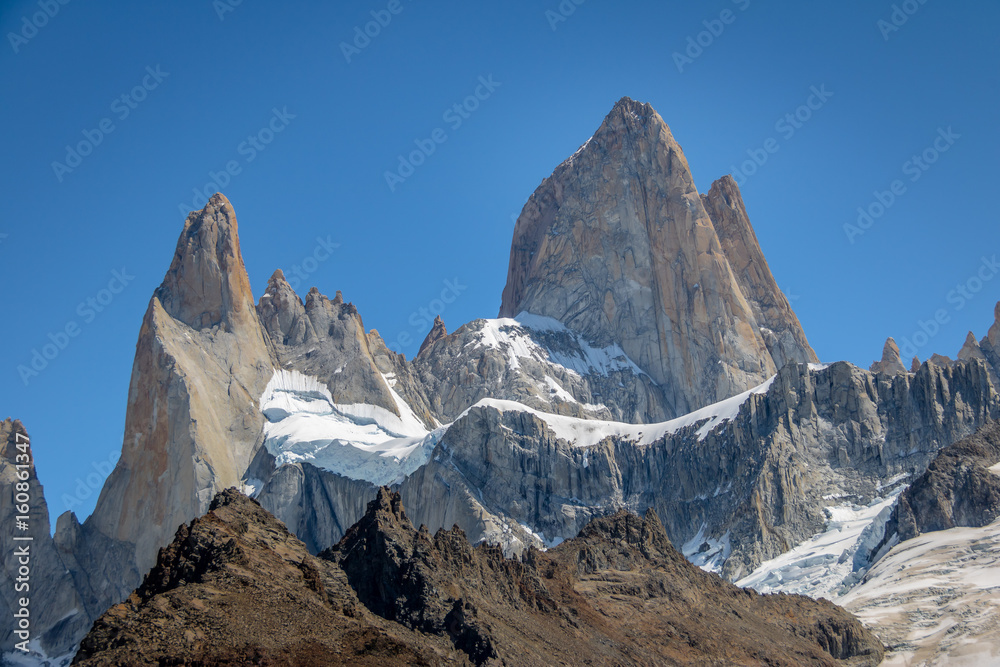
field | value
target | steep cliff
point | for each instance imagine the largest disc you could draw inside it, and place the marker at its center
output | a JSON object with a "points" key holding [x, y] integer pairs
{"points": [[618, 245], [30, 566], [192, 424], [780, 327]]}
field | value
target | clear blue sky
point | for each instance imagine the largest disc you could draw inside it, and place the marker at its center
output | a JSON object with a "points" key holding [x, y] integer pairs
{"points": [[218, 81]]}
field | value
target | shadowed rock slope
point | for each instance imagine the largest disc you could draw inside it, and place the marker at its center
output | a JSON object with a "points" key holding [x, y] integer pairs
{"points": [[235, 587], [958, 489]]}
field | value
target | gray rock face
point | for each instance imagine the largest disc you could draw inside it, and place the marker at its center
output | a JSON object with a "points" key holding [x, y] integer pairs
{"points": [[618, 245], [958, 489], [58, 613], [540, 364], [751, 488], [326, 339], [783, 334]]}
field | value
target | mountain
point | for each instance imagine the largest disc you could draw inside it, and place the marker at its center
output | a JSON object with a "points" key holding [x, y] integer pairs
{"points": [[192, 423], [618, 245], [235, 585], [675, 379], [780, 327]]}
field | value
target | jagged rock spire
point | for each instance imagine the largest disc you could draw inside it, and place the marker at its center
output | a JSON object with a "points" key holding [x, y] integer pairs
{"points": [[202, 362], [786, 341], [891, 363], [437, 332], [207, 282], [970, 349]]}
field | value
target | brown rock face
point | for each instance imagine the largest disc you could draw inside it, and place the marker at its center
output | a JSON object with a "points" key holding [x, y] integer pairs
{"points": [[891, 364], [207, 283], [235, 587], [783, 334], [618, 245], [202, 361], [437, 332]]}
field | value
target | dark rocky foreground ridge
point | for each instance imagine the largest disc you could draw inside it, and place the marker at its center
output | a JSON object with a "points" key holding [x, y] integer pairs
{"points": [[235, 587], [958, 489]]}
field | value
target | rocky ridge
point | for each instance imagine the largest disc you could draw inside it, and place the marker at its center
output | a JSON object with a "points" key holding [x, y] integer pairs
{"points": [[236, 585], [959, 488]]}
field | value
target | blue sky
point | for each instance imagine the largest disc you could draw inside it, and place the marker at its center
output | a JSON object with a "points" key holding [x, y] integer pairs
{"points": [[310, 127]]}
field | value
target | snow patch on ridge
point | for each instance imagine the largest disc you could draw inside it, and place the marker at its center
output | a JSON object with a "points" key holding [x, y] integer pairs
{"points": [[589, 432], [709, 554], [513, 336], [358, 441]]}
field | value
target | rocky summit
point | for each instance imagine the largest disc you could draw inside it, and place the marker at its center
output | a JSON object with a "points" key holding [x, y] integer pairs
{"points": [[644, 363], [235, 587], [618, 245]]}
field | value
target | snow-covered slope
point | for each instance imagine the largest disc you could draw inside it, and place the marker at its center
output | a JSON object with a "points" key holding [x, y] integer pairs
{"points": [[364, 442], [589, 432], [514, 336], [832, 561], [540, 362], [367, 442], [935, 599]]}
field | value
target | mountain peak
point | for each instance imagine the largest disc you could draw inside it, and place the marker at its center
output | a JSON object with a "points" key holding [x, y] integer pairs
{"points": [[626, 106], [618, 245], [207, 283], [891, 363], [630, 117], [437, 332], [780, 327]]}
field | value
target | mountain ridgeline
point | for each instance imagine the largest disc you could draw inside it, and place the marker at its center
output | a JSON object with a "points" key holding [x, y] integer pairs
{"points": [[643, 359], [242, 589]]}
